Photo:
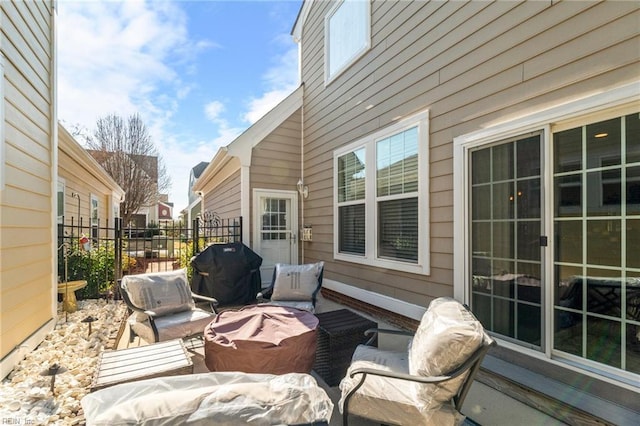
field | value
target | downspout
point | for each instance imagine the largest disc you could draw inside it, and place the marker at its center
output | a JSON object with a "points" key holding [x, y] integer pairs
{"points": [[301, 224], [53, 83]]}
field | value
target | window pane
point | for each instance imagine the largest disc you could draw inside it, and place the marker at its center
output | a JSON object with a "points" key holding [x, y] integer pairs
{"points": [[348, 33], [397, 163], [604, 341], [603, 242], [528, 195], [351, 176], [568, 247], [503, 162], [529, 323], [632, 122], [503, 200], [633, 190], [633, 247], [481, 166], [604, 193], [528, 162], [352, 229], [603, 143], [398, 229], [567, 147], [568, 196]]}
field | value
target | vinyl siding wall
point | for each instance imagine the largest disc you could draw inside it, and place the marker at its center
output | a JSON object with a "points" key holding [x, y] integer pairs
{"points": [[26, 200], [275, 161], [82, 176], [224, 199], [470, 64]]}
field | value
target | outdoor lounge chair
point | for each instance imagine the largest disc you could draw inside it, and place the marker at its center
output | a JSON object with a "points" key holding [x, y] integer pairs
{"points": [[294, 286], [427, 384], [163, 306]]}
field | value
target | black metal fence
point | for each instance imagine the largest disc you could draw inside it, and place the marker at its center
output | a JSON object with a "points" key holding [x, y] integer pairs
{"points": [[102, 254]]}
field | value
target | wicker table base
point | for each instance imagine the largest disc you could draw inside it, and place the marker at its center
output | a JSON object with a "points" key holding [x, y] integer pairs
{"points": [[144, 362], [339, 332]]}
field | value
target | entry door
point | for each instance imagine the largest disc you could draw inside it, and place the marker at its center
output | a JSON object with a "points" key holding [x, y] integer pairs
{"points": [[275, 229], [506, 239]]}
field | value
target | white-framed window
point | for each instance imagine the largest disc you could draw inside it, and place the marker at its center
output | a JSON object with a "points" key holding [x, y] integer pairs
{"points": [[94, 216], [347, 35], [547, 222], [381, 198], [60, 197]]}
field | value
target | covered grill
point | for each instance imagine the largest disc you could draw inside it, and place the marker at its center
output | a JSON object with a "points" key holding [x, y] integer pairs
{"points": [[228, 272]]}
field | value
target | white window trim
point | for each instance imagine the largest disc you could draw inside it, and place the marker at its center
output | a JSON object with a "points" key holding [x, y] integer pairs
{"points": [[574, 109], [61, 183], [93, 198], [328, 78], [368, 142]]}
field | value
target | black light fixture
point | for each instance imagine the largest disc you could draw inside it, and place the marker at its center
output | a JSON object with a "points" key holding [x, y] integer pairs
{"points": [[53, 369], [89, 320]]}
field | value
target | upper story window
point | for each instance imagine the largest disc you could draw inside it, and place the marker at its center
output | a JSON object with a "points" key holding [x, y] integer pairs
{"points": [[347, 35], [381, 209]]}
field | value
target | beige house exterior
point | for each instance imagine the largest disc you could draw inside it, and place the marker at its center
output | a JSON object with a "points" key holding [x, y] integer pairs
{"points": [[450, 149], [255, 177], [86, 192], [28, 177]]}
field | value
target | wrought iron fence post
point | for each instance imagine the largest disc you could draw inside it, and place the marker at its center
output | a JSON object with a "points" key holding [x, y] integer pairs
{"points": [[117, 226], [196, 235]]}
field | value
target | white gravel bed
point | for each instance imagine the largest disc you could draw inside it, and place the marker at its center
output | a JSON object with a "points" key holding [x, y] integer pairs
{"points": [[25, 395]]}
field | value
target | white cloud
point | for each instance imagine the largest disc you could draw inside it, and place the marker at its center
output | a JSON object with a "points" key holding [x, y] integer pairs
{"points": [[125, 58], [280, 80], [213, 109]]}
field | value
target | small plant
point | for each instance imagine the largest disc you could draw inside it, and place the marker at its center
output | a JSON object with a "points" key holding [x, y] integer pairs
{"points": [[96, 266]]}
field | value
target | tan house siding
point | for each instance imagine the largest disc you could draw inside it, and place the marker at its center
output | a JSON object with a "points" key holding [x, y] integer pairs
{"points": [[275, 161], [225, 198], [82, 175], [469, 64], [26, 207]]}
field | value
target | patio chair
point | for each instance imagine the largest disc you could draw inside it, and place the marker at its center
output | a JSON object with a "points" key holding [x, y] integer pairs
{"points": [[295, 286], [163, 306], [428, 383]]}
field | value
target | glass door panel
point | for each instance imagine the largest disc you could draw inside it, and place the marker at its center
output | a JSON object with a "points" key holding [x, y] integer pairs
{"points": [[506, 225], [596, 256]]}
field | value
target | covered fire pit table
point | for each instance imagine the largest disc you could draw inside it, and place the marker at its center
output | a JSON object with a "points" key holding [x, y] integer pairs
{"points": [[261, 339]]}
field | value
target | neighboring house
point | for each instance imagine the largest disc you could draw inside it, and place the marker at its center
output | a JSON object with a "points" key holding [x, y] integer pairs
{"points": [[160, 209], [86, 192], [28, 178], [195, 201], [255, 177], [488, 151]]}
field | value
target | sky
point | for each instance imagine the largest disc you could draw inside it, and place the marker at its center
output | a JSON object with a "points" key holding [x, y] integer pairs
{"points": [[198, 72]]}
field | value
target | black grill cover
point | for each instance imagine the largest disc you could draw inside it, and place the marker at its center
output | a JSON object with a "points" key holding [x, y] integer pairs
{"points": [[228, 272]]}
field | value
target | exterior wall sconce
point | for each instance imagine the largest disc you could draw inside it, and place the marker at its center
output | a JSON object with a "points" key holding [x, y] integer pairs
{"points": [[302, 188], [307, 233]]}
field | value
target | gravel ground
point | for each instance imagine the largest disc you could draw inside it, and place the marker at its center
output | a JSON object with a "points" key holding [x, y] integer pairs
{"points": [[25, 394]]}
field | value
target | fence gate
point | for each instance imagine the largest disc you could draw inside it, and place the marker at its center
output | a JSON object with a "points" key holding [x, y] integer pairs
{"points": [[102, 254]]}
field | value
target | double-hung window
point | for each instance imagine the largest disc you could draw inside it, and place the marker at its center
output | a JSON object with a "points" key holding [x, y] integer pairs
{"points": [[347, 35], [381, 198]]}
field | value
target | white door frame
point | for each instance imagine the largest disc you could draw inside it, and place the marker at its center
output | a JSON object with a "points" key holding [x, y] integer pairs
{"points": [[275, 193]]}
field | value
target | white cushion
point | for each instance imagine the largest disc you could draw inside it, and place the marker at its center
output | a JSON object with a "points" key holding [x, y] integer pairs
{"points": [[391, 401], [447, 336], [297, 282], [175, 326], [224, 398], [162, 292]]}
